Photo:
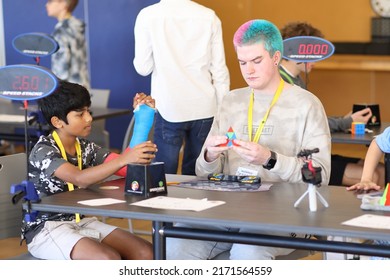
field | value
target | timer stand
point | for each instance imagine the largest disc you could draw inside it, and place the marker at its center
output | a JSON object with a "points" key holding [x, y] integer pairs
{"points": [[23, 83], [37, 60], [304, 49], [306, 75], [31, 83], [26, 146], [26, 121], [312, 176]]}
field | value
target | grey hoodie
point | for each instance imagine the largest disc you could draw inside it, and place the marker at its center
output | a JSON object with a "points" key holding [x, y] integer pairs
{"points": [[70, 61]]}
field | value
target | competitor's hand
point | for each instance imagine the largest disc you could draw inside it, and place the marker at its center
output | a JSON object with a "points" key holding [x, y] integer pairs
{"points": [[142, 153], [214, 148], [362, 115], [142, 98], [364, 186], [252, 152]]}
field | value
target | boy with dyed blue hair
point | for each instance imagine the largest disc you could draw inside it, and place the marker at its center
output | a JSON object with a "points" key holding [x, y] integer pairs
{"points": [[273, 122]]}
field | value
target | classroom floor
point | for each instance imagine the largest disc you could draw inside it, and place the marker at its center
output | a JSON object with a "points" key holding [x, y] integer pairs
{"points": [[10, 247]]}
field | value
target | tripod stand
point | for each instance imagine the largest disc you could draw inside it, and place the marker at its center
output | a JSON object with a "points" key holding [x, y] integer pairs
{"points": [[312, 176]]}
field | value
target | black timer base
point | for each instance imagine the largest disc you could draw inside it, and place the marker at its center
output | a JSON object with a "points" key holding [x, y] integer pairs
{"points": [[147, 180]]}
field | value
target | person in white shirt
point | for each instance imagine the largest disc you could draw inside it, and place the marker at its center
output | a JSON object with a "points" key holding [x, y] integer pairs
{"points": [[179, 43]]}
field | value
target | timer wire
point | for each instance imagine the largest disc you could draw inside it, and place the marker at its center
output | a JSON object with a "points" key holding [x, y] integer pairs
{"points": [[306, 76], [37, 60], [25, 106]]}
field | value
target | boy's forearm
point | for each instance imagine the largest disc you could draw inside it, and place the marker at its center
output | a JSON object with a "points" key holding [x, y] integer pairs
{"points": [[371, 161]]}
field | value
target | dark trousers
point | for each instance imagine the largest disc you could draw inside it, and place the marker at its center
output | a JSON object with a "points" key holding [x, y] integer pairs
{"points": [[169, 137]]}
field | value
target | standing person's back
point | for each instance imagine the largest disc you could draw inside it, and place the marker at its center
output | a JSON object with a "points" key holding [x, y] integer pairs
{"points": [[70, 61], [180, 43]]}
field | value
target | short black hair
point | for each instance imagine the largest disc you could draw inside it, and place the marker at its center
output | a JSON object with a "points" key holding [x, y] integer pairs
{"points": [[65, 98]]}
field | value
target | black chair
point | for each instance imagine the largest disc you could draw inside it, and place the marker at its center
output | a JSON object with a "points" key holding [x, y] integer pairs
{"points": [[12, 171]]}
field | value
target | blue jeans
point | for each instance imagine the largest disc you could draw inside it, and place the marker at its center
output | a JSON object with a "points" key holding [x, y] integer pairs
{"points": [[169, 137]]}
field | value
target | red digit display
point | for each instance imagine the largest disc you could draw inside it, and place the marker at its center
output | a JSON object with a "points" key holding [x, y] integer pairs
{"points": [[27, 83], [307, 48], [34, 83], [22, 82], [318, 49], [16, 83]]}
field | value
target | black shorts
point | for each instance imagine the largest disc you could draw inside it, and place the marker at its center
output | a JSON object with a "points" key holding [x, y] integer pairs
{"points": [[338, 165]]}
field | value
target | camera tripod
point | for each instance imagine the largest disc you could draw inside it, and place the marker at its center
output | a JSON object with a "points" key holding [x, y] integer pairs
{"points": [[312, 176]]}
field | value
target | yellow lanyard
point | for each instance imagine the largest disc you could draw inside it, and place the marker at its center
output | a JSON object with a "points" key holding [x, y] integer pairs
{"points": [[79, 160], [264, 120]]}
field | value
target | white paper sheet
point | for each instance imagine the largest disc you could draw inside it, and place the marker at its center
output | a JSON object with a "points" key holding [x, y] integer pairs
{"points": [[370, 221], [100, 201], [172, 203], [13, 118]]}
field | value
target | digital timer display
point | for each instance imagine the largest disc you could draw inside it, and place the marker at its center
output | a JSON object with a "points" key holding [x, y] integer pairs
{"points": [[35, 44], [307, 49], [26, 82]]}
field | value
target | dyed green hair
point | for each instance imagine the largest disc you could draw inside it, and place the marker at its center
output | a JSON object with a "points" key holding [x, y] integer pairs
{"points": [[259, 31]]}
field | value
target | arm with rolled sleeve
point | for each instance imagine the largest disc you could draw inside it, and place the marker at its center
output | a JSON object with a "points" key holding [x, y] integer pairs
{"points": [[143, 59], [337, 124], [218, 68]]}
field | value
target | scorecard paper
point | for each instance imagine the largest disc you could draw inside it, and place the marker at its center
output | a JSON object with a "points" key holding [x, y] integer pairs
{"points": [[172, 203], [100, 201], [370, 221]]}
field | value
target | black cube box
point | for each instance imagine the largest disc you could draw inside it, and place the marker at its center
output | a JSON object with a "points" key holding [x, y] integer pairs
{"points": [[146, 180], [375, 119]]}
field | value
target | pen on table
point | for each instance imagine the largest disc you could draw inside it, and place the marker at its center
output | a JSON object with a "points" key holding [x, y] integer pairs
{"points": [[172, 183]]}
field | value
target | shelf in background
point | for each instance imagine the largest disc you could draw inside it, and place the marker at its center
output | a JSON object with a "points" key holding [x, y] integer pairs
{"points": [[355, 62]]}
